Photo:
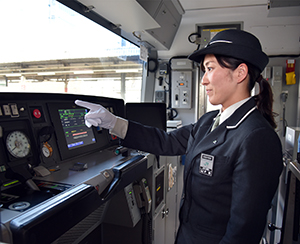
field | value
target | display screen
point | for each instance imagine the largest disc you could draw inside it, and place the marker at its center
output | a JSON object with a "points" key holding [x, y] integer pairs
{"points": [[73, 137], [77, 134]]}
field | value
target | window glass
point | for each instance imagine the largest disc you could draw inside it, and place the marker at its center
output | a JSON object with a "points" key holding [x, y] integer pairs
{"points": [[47, 47]]}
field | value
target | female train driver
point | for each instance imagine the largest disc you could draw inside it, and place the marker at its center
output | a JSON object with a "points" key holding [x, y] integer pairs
{"points": [[231, 172]]}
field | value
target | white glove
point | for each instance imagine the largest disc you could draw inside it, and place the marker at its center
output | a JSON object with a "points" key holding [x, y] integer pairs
{"points": [[98, 115]]}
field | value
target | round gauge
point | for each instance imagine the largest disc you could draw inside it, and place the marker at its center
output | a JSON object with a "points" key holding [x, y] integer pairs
{"points": [[18, 144], [47, 150]]}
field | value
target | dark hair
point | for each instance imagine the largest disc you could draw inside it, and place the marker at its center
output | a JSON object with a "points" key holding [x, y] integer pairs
{"points": [[264, 100]]}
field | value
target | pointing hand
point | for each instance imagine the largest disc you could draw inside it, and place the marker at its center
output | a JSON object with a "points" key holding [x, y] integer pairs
{"points": [[98, 115]]}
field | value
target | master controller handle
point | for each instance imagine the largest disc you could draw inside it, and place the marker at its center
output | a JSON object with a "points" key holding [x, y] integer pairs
{"points": [[273, 227]]}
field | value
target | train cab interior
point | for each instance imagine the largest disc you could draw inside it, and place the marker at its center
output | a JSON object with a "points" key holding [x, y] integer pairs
{"points": [[63, 182]]}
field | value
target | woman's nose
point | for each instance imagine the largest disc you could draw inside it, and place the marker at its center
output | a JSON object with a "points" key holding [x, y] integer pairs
{"points": [[204, 80]]}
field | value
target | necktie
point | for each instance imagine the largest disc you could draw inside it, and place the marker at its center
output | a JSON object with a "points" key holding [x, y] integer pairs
{"points": [[216, 122]]}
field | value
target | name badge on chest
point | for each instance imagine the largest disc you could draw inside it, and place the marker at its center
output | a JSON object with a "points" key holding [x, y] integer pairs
{"points": [[206, 164]]}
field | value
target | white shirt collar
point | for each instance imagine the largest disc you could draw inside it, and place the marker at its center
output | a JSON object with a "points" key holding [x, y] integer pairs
{"points": [[230, 110]]}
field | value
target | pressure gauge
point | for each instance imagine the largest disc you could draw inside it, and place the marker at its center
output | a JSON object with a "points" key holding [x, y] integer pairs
{"points": [[18, 144], [47, 150]]}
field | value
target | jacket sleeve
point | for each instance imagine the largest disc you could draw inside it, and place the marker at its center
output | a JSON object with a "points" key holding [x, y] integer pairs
{"points": [[156, 141], [255, 180]]}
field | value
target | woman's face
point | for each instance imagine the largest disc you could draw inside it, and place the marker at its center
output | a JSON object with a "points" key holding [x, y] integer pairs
{"points": [[221, 83]]}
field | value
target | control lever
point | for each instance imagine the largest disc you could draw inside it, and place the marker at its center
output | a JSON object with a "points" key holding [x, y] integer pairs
{"points": [[32, 185], [273, 227], [22, 174], [121, 150], [119, 171]]}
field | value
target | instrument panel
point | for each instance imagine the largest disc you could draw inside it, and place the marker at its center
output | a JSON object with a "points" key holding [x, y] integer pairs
{"points": [[52, 164], [46, 131]]}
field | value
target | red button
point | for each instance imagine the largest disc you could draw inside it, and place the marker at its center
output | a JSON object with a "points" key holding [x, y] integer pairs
{"points": [[113, 137], [37, 113]]}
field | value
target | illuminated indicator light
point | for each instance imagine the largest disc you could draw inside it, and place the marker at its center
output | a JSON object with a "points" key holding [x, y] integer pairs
{"points": [[11, 183], [80, 133], [181, 84], [37, 113]]}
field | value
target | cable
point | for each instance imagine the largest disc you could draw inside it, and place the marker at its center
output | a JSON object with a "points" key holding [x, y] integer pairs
{"points": [[146, 228], [283, 120], [196, 41], [171, 116], [193, 34], [284, 96]]}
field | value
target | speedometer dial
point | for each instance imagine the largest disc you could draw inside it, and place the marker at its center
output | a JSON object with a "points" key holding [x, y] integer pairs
{"points": [[18, 144]]}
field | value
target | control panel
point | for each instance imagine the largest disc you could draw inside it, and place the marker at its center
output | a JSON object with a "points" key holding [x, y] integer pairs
{"points": [[182, 89], [38, 134], [181, 78]]}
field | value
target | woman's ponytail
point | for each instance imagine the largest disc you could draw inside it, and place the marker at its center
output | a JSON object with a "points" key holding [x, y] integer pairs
{"points": [[264, 100]]}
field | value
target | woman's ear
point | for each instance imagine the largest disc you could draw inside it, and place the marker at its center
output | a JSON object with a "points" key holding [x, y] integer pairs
{"points": [[242, 72]]}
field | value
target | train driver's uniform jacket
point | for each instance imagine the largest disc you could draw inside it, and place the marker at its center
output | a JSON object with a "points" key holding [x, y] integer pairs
{"points": [[226, 198]]}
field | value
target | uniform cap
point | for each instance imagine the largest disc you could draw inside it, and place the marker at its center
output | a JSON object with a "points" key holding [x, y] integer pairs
{"points": [[237, 44]]}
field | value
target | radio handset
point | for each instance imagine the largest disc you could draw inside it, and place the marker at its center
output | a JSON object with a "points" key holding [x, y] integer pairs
{"points": [[142, 195]]}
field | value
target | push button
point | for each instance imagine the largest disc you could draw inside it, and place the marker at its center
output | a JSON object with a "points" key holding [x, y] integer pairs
{"points": [[37, 113]]}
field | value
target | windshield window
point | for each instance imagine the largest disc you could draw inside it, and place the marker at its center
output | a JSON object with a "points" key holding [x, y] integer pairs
{"points": [[47, 47]]}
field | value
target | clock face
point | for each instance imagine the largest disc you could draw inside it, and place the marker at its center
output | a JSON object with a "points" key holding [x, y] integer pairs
{"points": [[18, 144], [47, 150]]}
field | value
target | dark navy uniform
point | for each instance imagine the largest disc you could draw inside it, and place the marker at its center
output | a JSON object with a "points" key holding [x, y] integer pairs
{"points": [[226, 202]]}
